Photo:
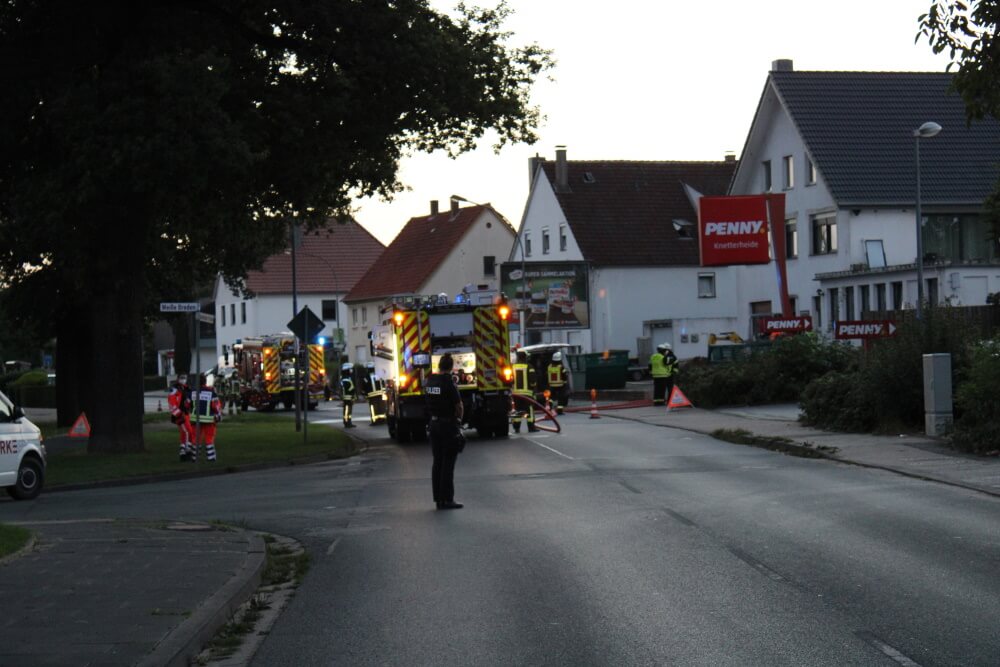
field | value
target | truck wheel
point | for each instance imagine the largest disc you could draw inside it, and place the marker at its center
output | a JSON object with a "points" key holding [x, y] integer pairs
{"points": [[391, 423], [501, 429], [637, 376], [29, 480], [287, 403]]}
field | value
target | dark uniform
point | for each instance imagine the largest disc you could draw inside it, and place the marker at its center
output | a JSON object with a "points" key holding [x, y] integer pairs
{"points": [[444, 406], [348, 393]]}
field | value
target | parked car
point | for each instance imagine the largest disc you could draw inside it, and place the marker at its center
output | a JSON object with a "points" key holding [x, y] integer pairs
{"points": [[22, 454]]}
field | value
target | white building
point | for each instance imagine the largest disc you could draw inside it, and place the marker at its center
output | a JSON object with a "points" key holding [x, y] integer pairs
{"points": [[625, 234], [841, 146], [328, 263], [433, 254]]}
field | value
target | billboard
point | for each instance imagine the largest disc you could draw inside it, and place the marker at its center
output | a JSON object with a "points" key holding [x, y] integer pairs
{"points": [[554, 294], [733, 230]]}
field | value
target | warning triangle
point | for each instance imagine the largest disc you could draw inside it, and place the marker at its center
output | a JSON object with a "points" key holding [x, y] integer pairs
{"points": [[81, 427], [678, 400]]}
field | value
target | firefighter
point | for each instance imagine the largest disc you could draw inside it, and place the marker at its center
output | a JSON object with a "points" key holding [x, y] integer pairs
{"points": [[372, 386], [231, 392], [348, 392], [525, 384], [663, 367], [179, 402], [207, 410], [557, 382]]}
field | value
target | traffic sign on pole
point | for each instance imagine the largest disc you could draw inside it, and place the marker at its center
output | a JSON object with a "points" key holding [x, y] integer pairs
{"points": [[306, 324], [179, 307]]}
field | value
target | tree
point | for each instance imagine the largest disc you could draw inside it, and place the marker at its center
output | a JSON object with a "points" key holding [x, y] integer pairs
{"points": [[968, 32], [150, 145]]}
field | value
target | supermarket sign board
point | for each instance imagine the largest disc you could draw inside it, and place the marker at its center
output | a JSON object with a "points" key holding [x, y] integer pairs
{"points": [[863, 329], [733, 230], [787, 324]]}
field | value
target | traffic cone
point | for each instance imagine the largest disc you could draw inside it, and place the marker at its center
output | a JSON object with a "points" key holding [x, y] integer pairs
{"points": [[159, 406], [593, 405]]}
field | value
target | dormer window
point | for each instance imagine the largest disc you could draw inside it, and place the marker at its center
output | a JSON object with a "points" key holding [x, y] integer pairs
{"points": [[684, 229]]}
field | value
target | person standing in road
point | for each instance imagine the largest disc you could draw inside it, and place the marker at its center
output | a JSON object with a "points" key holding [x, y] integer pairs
{"points": [[662, 366], [348, 393], [179, 402], [207, 411], [525, 384], [557, 382], [444, 403]]}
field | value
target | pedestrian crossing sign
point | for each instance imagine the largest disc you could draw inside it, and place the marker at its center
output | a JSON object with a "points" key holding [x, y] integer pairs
{"points": [[81, 427], [678, 400]]}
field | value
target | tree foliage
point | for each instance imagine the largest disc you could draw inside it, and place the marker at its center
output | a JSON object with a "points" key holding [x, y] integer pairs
{"points": [[146, 146]]}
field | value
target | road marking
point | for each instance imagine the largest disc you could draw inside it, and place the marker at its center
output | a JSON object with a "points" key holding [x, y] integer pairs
{"points": [[680, 517], [332, 546], [887, 650], [554, 451], [754, 563], [629, 486]]}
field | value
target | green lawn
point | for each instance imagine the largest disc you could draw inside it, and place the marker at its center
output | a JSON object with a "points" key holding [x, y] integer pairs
{"points": [[249, 438], [12, 538]]}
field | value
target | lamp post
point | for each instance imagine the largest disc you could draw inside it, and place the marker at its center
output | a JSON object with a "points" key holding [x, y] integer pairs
{"points": [[925, 131], [523, 314]]}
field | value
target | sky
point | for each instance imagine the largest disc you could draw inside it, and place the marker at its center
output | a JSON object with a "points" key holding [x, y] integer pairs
{"points": [[654, 80]]}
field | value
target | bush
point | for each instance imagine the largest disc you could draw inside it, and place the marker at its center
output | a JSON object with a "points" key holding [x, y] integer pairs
{"points": [[38, 377], [7, 378], [977, 428], [840, 401]]}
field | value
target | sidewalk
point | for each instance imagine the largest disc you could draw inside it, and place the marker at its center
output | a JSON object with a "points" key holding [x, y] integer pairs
{"points": [[126, 592]]}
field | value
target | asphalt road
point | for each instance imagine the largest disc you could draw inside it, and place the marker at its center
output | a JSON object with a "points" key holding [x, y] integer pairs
{"points": [[615, 543]]}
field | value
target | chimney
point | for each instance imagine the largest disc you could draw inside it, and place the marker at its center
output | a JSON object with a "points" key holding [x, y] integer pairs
{"points": [[454, 207], [533, 163], [782, 65], [434, 207], [730, 156], [562, 173]]}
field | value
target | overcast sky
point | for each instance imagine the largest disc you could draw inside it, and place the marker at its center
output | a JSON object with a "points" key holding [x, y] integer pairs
{"points": [[656, 80]]}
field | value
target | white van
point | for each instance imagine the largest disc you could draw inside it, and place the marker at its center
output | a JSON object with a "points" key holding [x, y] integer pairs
{"points": [[22, 454]]}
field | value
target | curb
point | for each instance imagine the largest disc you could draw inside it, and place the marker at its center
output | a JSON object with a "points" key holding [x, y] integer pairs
{"points": [[186, 641], [28, 546]]}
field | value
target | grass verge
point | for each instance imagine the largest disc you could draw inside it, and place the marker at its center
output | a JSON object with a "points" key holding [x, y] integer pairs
{"points": [[249, 438], [12, 538]]}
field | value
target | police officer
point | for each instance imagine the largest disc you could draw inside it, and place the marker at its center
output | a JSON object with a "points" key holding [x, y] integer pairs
{"points": [[662, 366], [348, 392], [444, 403], [557, 382]]}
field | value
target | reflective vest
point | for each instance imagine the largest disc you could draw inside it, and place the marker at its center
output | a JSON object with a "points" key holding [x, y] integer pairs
{"points": [[557, 375], [206, 406], [659, 367], [522, 379], [347, 388]]}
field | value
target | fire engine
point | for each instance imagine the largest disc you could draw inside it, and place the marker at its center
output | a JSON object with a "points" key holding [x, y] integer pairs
{"points": [[265, 366], [412, 338]]}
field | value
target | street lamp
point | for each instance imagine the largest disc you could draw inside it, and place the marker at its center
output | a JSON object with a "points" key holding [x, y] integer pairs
{"points": [[925, 131], [523, 318]]}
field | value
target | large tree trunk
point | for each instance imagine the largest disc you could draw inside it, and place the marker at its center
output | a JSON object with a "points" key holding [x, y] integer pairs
{"points": [[72, 360], [116, 355]]}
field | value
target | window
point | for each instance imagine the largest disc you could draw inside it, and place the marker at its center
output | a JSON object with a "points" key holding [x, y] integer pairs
{"points": [[232, 313], [818, 310], [932, 291], [354, 316], [866, 303], [222, 315], [791, 239], [706, 285], [810, 171], [897, 295], [880, 304], [824, 234], [789, 164], [959, 238], [766, 165], [527, 245], [834, 305], [243, 312], [329, 308], [364, 315], [849, 303], [489, 266], [545, 241], [562, 238]]}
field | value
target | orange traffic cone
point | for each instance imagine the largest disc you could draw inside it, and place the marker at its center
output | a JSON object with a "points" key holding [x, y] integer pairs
{"points": [[593, 405]]}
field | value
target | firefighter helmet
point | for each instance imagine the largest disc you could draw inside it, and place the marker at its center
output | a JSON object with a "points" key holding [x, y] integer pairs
{"points": [[347, 367], [370, 365], [557, 356], [663, 347]]}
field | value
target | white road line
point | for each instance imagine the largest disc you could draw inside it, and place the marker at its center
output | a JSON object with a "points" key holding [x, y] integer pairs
{"points": [[554, 451], [332, 546], [888, 650]]}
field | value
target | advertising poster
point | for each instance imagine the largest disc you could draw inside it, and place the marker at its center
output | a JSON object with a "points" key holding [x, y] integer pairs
{"points": [[555, 295]]}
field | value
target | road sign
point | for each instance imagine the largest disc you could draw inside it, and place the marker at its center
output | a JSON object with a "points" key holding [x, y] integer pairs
{"points": [[787, 324], [205, 317], [306, 324], [179, 307], [854, 329]]}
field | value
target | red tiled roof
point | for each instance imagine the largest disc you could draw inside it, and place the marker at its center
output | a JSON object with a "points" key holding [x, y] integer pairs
{"points": [[621, 212], [330, 259], [415, 254]]}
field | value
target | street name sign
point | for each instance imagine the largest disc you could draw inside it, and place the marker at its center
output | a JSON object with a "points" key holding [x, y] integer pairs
{"points": [[179, 307], [854, 329], [787, 324], [306, 325]]}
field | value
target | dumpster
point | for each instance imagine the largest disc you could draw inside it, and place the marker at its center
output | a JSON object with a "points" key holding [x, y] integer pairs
{"points": [[599, 370]]}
